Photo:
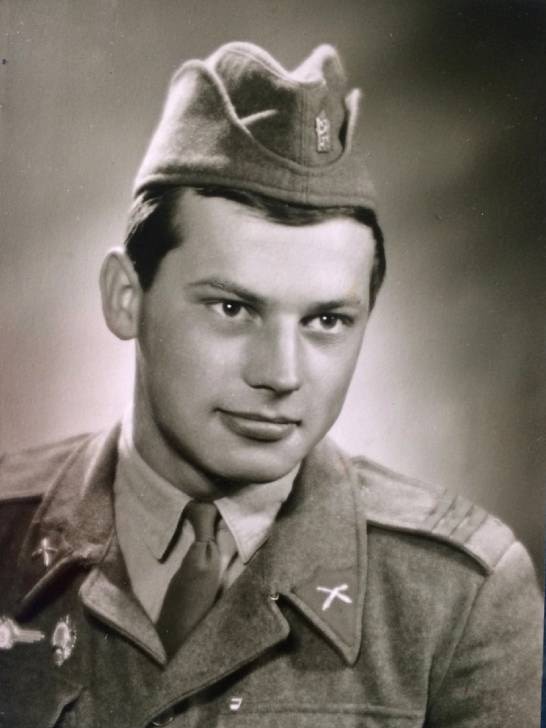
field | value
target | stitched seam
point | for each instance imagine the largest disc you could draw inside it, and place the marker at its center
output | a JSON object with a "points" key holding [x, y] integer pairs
{"points": [[439, 538]]}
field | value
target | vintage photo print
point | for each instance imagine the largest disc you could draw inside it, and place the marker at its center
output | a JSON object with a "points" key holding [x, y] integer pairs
{"points": [[283, 265]]}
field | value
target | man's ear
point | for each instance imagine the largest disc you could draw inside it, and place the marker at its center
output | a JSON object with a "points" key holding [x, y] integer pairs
{"points": [[121, 294]]}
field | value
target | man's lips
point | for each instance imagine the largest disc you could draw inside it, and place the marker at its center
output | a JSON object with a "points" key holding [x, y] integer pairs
{"points": [[264, 417], [264, 426]]}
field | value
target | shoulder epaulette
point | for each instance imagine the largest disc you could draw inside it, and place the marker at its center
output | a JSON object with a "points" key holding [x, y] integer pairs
{"points": [[396, 502], [29, 473]]}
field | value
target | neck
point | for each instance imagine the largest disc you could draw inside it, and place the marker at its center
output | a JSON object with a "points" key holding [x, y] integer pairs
{"points": [[168, 461]]}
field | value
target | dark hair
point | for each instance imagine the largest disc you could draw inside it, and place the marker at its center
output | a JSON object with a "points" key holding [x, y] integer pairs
{"points": [[151, 231]]}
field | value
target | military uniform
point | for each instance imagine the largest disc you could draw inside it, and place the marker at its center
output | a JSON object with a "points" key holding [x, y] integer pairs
{"points": [[375, 602]]}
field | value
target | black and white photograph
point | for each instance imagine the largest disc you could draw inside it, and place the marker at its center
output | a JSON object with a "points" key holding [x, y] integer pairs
{"points": [[272, 390]]}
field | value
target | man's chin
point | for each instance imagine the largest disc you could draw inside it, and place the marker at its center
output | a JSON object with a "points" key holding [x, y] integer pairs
{"points": [[244, 460], [248, 473]]}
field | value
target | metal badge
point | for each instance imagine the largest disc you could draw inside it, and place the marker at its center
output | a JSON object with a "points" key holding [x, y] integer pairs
{"points": [[46, 550], [63, 640], [11, 634], [322, 130]]}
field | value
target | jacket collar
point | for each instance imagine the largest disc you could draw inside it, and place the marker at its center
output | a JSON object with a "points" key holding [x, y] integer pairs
{"points": [[315, 557], [74, 524]]}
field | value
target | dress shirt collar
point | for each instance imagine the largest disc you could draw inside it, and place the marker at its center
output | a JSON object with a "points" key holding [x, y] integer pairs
{"points": [[157, 505]]}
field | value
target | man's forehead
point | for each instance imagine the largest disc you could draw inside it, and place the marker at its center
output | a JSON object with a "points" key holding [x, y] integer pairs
{"points": [[228, 245], [199, 216]]}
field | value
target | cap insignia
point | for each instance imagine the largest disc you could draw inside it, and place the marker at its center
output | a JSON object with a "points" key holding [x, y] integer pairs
{"points": [[322, 130]]}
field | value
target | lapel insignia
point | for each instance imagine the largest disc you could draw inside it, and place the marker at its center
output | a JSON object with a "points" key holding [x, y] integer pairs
{"points": [[46, 550], [331, 597], [338, 592], [63, 641], [11, 634]]}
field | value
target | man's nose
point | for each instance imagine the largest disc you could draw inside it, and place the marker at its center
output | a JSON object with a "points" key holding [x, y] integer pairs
{"points": [[274, 359]]}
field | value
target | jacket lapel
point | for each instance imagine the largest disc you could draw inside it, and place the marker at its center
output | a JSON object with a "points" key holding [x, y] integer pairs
{"points": [[241, 627], [74, 523], [316, 555], [315, 559], [318, 542]]}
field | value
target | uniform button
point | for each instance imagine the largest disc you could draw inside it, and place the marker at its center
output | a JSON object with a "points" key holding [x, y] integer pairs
{"points": [[163, 719]]}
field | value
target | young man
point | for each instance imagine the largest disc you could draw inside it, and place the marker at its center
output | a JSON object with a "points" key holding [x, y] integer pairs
{"points": [[215, 561]]}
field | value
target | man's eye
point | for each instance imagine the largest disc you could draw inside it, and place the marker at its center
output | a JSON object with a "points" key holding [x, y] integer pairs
{"points": [[229, 309], [328, 322]]}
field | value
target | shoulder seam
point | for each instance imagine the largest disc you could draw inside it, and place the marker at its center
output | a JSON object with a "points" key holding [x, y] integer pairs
{"points": [[398, 503], [487, 565]]}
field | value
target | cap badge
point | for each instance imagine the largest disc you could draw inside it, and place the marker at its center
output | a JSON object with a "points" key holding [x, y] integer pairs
{"points": [[322, 130], [11, 634], [63, 640]]}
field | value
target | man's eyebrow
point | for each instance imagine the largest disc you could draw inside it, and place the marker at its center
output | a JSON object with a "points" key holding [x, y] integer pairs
{"points": [[226, 286], [339, 303]]}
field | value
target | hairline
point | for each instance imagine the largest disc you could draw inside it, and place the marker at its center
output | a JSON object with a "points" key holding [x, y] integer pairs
{"points": [[157, 206]]}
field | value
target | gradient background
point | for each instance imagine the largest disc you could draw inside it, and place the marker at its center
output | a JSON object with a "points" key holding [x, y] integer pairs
{"points": [[451, 386]]}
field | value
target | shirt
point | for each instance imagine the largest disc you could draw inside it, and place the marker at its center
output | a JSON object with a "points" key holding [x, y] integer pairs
{"points": [[147, 514]]}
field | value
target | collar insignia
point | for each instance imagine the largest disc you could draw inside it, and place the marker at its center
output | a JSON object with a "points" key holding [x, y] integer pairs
{"points": [[338, 592], [46, 550], [331, 596]]}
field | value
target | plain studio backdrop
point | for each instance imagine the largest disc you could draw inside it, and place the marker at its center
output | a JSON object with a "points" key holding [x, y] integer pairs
{"points": [[450, 386]]}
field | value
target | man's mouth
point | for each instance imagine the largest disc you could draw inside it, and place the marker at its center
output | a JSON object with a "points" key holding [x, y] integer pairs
{"points": [[264, 426]]}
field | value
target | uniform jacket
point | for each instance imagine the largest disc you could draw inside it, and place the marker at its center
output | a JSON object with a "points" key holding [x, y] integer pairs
{"points": [[376, 602]]}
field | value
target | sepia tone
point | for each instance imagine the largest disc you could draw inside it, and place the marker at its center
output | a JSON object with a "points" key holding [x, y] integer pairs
{"points": [[450, 385]]}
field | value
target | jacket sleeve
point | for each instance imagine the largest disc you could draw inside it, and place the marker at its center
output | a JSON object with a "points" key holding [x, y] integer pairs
{"points": [[494, 675]]}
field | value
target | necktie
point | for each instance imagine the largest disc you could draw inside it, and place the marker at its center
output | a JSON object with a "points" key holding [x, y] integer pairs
{"points": [[194, 586]]}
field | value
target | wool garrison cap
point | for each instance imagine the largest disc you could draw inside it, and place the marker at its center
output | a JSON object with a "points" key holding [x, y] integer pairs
{"points": [[240, 120]]}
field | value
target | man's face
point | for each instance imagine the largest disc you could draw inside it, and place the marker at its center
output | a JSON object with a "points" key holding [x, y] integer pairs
{"points": [[248, 339]]}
